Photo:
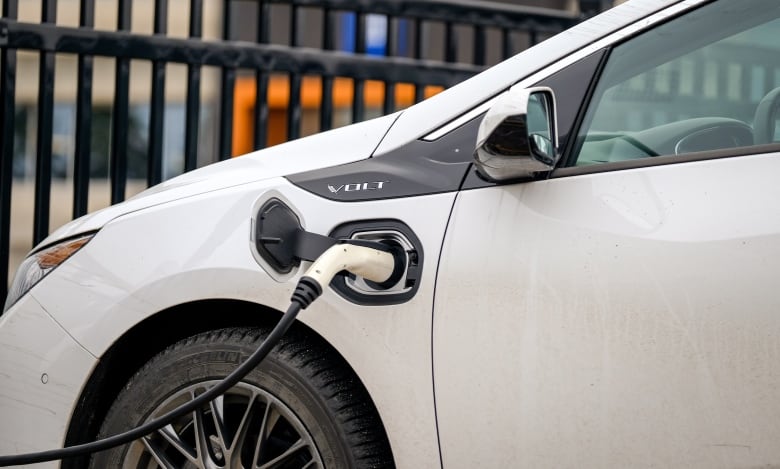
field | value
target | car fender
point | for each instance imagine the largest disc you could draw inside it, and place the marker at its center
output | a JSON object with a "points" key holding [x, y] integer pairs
{"points": [[199, 248]]}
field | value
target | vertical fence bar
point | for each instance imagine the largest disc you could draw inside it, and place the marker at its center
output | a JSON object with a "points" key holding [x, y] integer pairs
{"points": [[391, 38], [261, 109], [450, 43], [192, 113], [7, 123], [506, 43], [44, 132], [294, 36], [391, 50], [360, 32], [533, 35], [226, 113], [358, 105], [154, 162], [294, 107], [480, 45], [294, 103], [227, 88], [263, 21], [419, 89], [120, 120], [419, 92], [326, 105], [327, 29], [418, 38], [83, 150], [261, 80], [388, 106]]}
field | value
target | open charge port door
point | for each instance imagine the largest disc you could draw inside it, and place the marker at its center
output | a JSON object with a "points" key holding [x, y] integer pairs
{"points": [[393, 233]]}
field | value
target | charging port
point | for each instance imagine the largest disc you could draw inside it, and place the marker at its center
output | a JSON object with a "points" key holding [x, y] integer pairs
{"points": [[402, 248], [400, 238]]}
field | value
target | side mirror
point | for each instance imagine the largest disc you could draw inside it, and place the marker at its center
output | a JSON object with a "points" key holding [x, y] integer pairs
{"points": [[518, 136]]}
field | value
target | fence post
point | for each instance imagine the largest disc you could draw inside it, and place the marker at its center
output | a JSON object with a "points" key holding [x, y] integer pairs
{"points": [[43, 141], [7, 123], [82, 153]]}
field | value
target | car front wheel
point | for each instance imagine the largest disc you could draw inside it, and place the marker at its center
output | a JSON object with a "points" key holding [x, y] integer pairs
{"points": [[301, 408]]}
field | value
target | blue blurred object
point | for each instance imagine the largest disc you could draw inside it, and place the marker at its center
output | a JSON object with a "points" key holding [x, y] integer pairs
{"points": [[376, 34]]}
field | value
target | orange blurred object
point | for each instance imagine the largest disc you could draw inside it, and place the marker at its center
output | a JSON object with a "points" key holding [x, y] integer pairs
{"points": [[311, 98]]}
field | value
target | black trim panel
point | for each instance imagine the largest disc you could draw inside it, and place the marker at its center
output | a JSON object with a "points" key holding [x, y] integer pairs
{"points": [[443, 165], [417, 168], [573, 144], [572, 86]]}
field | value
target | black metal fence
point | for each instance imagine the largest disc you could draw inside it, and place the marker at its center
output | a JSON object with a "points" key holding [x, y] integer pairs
{"points": [[425, 43]]}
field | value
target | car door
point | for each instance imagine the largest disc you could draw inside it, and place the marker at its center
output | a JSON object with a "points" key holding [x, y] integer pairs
{"points": [[624, 311]]}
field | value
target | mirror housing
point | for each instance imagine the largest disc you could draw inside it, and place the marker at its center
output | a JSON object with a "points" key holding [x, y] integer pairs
{"points": [[518, 136]]}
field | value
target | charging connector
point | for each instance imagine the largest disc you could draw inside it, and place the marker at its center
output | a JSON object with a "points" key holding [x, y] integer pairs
{"points": [[373, 261], [376, 263]]}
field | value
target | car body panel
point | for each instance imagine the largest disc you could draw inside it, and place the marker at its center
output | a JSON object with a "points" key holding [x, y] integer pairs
{"points": [[40, 379], [607, 326], [199, 249]]}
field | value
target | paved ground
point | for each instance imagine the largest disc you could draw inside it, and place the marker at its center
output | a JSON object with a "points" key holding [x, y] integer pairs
{"points": [[22, 203]]}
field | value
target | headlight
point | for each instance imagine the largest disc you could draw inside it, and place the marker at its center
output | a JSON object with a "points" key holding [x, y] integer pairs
{"points": [[39, 264]]}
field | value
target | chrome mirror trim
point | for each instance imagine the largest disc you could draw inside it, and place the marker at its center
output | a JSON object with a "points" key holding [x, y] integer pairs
{"points": [[507, 148]]}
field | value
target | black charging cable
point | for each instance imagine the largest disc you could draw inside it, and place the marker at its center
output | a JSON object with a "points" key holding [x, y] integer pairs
{"points": [[305, 293]]}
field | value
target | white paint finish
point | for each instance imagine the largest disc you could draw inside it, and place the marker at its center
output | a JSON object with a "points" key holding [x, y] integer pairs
{"points": [[389, 346], [198, 248], [427, 116], [622, 319], [35, 415], [332, 148], [574, 325]]}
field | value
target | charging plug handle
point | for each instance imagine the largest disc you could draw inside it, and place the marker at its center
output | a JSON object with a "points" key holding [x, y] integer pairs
{"points": [[374, 263]]}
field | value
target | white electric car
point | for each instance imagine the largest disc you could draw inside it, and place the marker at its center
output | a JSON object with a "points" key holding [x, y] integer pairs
{"points": [[589, 239]]}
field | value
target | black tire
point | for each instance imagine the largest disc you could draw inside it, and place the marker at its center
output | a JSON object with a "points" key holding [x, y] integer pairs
{"points": [[322, 415]]}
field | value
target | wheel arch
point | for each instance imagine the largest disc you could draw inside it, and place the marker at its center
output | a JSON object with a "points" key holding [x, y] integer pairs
{"points": [[157, 332]]}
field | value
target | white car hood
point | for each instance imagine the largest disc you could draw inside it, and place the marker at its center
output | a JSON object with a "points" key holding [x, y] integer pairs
{"points": [[335, 147]]}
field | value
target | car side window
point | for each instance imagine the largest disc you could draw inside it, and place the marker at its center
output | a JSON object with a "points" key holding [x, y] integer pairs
{"points": [[707, 80]]}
